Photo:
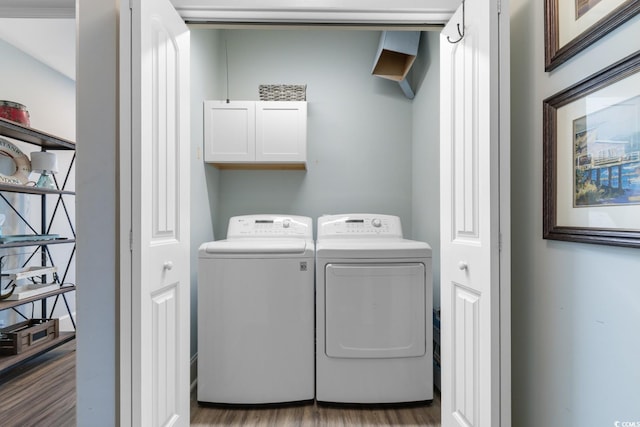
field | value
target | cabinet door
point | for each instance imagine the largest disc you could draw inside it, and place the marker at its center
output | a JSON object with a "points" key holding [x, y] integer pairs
{"points": [[281, 131], [229, 131]]}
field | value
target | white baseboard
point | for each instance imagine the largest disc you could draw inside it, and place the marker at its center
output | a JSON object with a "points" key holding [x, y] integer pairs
{"points": [[64, 323]]}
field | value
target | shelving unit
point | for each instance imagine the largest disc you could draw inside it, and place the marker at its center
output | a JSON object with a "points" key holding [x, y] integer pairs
{"points": [[46, 141]]}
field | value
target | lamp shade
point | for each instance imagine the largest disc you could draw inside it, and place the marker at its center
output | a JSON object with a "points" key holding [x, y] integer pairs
{"points": [[44, 161]]}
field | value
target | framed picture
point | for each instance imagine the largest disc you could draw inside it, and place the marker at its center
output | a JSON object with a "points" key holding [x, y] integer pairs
{"points": [[572, 25], [591, 168]]}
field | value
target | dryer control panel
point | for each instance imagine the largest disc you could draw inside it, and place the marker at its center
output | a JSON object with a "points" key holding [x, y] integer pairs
{"points": [[359, 226], [256, 226]]}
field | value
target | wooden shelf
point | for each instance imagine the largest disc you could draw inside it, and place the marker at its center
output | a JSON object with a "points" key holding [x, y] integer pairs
{"points": [[36, 243], [7, 362], [10, 304], [10, 188], [34, 136], [260, 166]]}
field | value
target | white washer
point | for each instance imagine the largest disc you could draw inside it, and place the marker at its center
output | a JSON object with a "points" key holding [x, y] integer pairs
{"points": [[373, 312], [255, 312]]}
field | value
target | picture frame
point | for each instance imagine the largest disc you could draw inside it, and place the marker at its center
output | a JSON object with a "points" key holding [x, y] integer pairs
{"points": [[572, 25], [591, 158]]}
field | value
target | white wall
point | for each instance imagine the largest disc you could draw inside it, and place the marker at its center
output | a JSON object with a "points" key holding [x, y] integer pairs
{"points": [[575, 307], [98, 269], [50, 99], [359, 127], [51, 41]]}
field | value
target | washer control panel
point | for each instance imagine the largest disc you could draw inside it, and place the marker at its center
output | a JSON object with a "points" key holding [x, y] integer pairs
{"points": [[359, 225], [270, 226]]}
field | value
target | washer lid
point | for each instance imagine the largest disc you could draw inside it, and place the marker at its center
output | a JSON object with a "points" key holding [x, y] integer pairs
{"points": [[256, 246]]}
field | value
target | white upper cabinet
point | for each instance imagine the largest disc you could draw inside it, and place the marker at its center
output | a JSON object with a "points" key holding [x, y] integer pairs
{"points": [[281, 131], [256, 134], [229, 131]]}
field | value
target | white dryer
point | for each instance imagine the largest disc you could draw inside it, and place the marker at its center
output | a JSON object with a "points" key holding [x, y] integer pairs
{"points": [[373, 312], [255, 312]]}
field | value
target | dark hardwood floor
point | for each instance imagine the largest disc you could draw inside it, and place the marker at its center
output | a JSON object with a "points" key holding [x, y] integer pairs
{"points": [[42, 392]]}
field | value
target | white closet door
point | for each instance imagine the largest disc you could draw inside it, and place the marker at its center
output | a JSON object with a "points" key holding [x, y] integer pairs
{"points": [[474, 87], [160, 279]]}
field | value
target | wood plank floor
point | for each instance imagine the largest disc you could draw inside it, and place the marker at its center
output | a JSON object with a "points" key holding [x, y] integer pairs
{"points": [[317, 416], [42, 392]]}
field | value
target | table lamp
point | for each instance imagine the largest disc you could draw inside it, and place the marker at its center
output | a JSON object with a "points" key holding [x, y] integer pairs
{"points": [[46, 164]]}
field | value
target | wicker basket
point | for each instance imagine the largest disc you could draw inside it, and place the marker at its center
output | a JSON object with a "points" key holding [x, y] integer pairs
{"points": [[283, 92]]}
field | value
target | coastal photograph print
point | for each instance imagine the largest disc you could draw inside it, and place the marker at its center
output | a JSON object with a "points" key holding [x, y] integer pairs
{"points": [[572, 25], [607, 156], [591, 149]]}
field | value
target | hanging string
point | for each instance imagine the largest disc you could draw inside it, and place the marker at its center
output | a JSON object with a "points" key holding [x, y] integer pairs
{"points": [[226, 60]]}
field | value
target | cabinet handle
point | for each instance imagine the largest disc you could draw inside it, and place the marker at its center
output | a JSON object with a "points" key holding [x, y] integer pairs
{"points": [[168, 265], [462, 265]]}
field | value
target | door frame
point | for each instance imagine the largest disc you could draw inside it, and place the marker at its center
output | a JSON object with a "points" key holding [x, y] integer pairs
{"points": [[378, 13], [504, 28], [283, 11], [125, 332]]}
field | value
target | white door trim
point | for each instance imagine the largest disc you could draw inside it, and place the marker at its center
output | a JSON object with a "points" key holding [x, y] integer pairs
{"points": [[125, 309], [324, 11], [505, 214], [272, 11], [373, 17]]}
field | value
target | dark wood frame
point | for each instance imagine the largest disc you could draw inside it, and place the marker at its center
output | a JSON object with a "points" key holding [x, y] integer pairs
{"points": [[607, 236], [555, 55]]}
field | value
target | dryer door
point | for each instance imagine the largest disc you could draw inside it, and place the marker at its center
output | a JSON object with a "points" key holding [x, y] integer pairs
{"points": [[375, 310]]}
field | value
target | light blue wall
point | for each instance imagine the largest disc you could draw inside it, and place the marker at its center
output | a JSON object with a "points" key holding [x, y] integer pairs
{"points": [[370, 148], [425, 164], [206, 58], [359, 127], [575, 307]]}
